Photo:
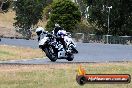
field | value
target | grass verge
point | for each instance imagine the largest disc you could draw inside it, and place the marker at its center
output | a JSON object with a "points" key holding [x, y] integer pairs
{"points": [[14, 53], [59, 75]]}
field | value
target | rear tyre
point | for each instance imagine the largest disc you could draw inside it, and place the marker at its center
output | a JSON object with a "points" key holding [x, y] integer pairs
{"points": [[70, 58]]}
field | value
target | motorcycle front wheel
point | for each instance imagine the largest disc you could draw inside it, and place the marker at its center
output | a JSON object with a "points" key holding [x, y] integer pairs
{"points": [[49, 53], [74, 49]]}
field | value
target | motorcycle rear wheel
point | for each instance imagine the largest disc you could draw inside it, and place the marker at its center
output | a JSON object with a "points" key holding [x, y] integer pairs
{"points": [[70, 58]]}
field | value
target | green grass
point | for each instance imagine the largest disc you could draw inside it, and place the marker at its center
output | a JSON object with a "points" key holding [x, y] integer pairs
{"points": [[58, 75], [15, 53], [5, 53]]}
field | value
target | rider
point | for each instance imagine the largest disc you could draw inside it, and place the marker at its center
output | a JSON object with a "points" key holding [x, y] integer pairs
{"points": [[40, 32], [56, 30]]}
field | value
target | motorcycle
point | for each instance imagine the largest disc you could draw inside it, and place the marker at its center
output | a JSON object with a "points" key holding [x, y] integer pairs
{"points": [[70, 43], [46, 43], [54, 50], [71, 46]]}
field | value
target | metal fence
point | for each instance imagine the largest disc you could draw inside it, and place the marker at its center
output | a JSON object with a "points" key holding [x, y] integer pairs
{"points": [[110, 39]]}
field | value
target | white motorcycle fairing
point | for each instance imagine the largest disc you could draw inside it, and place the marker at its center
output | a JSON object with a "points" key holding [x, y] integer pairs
{"points": [[62, 52], [69, 41], [42, 41]]}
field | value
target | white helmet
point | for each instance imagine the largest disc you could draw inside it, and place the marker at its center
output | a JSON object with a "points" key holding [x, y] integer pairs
{"points": [[57, 25], [40, 29]]}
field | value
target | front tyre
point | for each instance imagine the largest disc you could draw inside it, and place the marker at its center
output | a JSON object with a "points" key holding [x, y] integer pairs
{"points": [[50, 55], [74, 49]]}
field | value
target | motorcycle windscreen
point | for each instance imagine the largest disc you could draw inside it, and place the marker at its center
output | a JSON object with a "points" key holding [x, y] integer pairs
{"points": [[42, 36]]}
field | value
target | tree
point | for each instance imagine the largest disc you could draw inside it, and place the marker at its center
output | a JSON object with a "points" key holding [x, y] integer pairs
{"points": [[64, 12], [120, 16], [28, 13], [4, 5]]}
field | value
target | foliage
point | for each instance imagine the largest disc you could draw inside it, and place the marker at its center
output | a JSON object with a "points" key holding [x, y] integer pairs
{"points": [[4, 5], [28, 13], [64, 12], [46, 12], [84, 27], [120, 16]]}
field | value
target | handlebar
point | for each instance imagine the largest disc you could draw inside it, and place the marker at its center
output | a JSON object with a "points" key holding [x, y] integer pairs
{"points": [[51, 35]]}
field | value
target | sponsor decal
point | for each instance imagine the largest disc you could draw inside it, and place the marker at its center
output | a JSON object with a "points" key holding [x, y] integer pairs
{"points": [[83, 78]]}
